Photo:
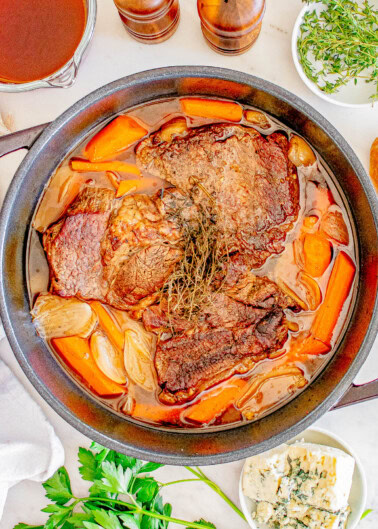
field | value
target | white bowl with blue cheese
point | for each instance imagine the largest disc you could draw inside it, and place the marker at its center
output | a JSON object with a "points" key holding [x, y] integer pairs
{"points": [[315, 481]]}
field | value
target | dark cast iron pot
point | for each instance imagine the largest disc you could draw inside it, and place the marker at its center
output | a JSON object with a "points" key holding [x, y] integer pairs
{"points": [[47, 149]]}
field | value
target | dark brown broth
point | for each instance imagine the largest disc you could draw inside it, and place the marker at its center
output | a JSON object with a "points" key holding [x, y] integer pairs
{"points": [[275, 391]]}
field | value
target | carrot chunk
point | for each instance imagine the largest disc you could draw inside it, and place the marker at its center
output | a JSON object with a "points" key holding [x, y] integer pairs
{"points": [[158, 414], [211, 108], [76, 352], [304, 345], [317, 254], [374, 163], [126, 186], [98, 167], [113, 139], [215, 402], [109, 325], [338, 289]]}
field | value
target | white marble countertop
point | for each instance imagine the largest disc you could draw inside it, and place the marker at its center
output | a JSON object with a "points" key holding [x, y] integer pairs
{"points": [[112, 54]]}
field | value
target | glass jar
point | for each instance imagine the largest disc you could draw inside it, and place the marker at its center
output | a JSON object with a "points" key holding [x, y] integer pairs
{"points": [[149, 21], [231, 26]]}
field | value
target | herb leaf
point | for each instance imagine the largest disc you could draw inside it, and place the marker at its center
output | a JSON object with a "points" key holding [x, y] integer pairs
{"points": [[115, 479], [204, 523], [58, 487], [129, 521], [365, 513]]}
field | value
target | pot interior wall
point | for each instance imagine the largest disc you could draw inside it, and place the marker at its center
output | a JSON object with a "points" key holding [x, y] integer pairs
{"points": [[76, 406]]}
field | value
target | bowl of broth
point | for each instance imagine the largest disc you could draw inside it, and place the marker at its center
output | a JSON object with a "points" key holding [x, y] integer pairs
{"points": [[43, 42]]}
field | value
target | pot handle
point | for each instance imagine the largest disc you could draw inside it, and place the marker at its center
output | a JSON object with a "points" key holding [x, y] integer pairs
{"points": [[23, 139], [358, 393]]}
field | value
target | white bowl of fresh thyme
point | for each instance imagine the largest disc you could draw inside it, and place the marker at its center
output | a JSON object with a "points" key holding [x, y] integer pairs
{"points": [[335, 50]]}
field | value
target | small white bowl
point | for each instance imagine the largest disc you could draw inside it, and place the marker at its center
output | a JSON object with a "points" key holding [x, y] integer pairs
{"points": [[357, 496], [350, 95]]}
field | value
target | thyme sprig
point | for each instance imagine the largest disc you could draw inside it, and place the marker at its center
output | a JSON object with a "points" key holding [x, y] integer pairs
{"points": [[339, 44]]}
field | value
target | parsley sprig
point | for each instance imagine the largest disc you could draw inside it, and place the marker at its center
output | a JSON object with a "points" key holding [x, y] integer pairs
{"points": [[122, 495], [339, 44]]}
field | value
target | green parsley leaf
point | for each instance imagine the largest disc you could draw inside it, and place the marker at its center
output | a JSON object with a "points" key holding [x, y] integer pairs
{"points": [[129, 521], [89, 468], [91, 525], [107, 519], [206, 524], [125, 461], [58, 515], [78, 518], [150, 467], [115, 479], [365, 513], [58, 487], [145, 489]]}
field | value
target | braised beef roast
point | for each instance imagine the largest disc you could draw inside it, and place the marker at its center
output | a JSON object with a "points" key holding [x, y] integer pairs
{"points": [[116, 251], [252, 185], [122, 251]]}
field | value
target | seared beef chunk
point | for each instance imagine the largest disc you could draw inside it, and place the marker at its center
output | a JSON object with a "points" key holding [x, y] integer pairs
{"points": [[73, 246], [253, 185], [139, 250], [192, 361], [230, 337], [116, 251]]}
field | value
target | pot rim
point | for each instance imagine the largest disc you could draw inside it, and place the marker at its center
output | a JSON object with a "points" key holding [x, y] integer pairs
{"points": [[176, 458]]}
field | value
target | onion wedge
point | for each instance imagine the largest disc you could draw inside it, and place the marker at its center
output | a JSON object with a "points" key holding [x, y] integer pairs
{"points": [[56, 317], [108, 358]]}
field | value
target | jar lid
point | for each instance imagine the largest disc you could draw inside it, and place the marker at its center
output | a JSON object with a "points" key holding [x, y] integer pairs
{"points": [[143, 8], [227, 17]]}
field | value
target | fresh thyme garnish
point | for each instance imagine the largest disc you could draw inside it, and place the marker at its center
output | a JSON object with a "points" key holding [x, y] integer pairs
{"points": [[340, 44], [204, 262]]}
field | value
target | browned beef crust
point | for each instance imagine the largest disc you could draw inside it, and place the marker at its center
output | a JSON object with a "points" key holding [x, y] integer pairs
{"points": [[253, 185], [231, 336], [115, 251]]}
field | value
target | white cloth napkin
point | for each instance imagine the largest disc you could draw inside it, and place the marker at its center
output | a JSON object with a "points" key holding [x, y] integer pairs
{"points": [[29, 448]]}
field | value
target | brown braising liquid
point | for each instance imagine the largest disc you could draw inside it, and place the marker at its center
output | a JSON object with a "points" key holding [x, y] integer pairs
{"points": [[273, 392], [38, 37]]}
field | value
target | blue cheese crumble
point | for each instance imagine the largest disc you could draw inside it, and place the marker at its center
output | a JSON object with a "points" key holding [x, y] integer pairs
{"points": [[300, 485]]}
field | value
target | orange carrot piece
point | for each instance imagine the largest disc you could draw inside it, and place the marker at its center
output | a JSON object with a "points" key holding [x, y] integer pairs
{"points": [[317, 254], [126, 186], [158, 414], [374, 163], [76, 352], [110, 327], [113, 139], [215, 401], [97, 167], [338, 288], [211, 108], [305, 345]]}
